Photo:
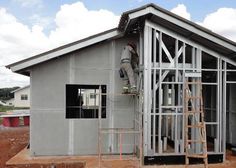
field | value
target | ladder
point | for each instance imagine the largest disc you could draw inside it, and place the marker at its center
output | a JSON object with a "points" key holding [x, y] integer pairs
{"points": [[137, 155], [194, 124]]}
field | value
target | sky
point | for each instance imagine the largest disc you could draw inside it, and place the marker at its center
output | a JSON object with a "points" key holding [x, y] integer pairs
{"points": [[30, 27]]}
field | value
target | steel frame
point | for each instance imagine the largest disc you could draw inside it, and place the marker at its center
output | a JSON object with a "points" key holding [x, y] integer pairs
{"points": [[156, 83], [153, 111]]}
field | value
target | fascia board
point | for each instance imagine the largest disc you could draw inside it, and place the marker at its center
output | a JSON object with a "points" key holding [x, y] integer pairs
{"points": [[63, 51]]}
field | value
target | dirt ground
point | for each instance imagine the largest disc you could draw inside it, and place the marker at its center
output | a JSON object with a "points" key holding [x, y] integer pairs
{"points": [[13, 140]]}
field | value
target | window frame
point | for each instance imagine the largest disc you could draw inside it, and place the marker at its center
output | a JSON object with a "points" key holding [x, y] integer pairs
{"points": [[76, 106], [23, 97]]}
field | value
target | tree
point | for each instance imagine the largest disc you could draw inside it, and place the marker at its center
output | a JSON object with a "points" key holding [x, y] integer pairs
{"points": [[5, 93]]}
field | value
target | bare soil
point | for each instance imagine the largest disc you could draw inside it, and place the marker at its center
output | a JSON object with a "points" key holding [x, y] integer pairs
{"points": [[13, 140]]}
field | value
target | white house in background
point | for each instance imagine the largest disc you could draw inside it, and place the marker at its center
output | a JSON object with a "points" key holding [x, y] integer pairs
{"points": [[10, 102], [22, 97], [2, 103]]}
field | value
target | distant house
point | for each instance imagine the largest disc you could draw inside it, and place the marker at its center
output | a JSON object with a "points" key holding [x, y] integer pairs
{"points": [[2, 103], [21, 97], [9, 102]]}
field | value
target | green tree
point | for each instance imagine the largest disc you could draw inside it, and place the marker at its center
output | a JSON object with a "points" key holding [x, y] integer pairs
{"points": [[5, 93]]}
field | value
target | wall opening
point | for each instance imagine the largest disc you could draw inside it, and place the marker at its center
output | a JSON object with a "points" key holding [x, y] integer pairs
{"points": [[82, 101]]}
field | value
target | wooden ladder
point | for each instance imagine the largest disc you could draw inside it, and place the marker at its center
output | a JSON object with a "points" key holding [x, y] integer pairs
{"points": [[194, 124]]}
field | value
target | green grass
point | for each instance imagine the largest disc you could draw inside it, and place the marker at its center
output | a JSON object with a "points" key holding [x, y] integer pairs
{"points": [[9, 108], [6, 108]]}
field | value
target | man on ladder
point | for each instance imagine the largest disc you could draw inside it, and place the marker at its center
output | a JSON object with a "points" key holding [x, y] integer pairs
{"points": [[129, 64]]}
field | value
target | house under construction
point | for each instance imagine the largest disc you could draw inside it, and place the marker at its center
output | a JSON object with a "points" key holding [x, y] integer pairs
{"points": [[184, 68]]}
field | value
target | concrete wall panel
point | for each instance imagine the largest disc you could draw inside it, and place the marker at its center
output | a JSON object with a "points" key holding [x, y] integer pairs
{"points": [[51, 133], [49, 128]]}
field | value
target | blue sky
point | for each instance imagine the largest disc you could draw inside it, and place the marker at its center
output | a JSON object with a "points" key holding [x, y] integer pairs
{"points": [[29, 27], [198, 8]]}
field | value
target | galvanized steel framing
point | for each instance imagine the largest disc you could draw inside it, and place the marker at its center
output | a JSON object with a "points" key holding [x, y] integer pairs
{"points": [[155, 72]]}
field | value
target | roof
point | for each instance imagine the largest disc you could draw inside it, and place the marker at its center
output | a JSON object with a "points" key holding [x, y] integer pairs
{"points": [[20, 89], [20, 66], [180, 25], [130, 20], [9, 100], [2, 103]]}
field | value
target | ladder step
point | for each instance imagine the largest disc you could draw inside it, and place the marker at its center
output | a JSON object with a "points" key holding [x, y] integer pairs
{"points": [[196, 156], [195, 111], [195, 126], [196, 141]]}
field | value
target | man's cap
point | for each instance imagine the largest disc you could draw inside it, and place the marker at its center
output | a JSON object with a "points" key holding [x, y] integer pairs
{"points": [[133, 45]]}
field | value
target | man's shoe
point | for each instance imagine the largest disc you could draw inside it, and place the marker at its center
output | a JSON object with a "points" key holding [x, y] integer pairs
{"points": [[125, 90], [133, 90]]}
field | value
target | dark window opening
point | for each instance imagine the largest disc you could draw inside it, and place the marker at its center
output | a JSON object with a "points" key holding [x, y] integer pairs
{"points": [[92, 96], [82, 101], [24, 97]]}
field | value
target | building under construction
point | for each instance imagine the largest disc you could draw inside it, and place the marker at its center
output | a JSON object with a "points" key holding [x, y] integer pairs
{"points": [[184, 107]]}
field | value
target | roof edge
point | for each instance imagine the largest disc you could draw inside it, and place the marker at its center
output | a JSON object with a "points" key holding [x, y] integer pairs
{"points": [[20, 89], [114, 30], [125, 16]]}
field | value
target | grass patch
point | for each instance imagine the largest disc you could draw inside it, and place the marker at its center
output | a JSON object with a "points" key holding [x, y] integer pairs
{"points": [[6, 108], [9, 108]]}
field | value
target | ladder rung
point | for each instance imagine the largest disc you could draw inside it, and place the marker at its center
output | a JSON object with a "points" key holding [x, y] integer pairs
{"points": [[195, 126], [195, 111], [196, 141], [196, 156]]}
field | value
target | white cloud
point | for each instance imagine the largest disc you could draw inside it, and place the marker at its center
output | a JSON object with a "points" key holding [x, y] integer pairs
{"points": [[9, 79], [41, 21], [75, 21], [19, 41], [181, 10], [30, 3], [223, 22]]}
